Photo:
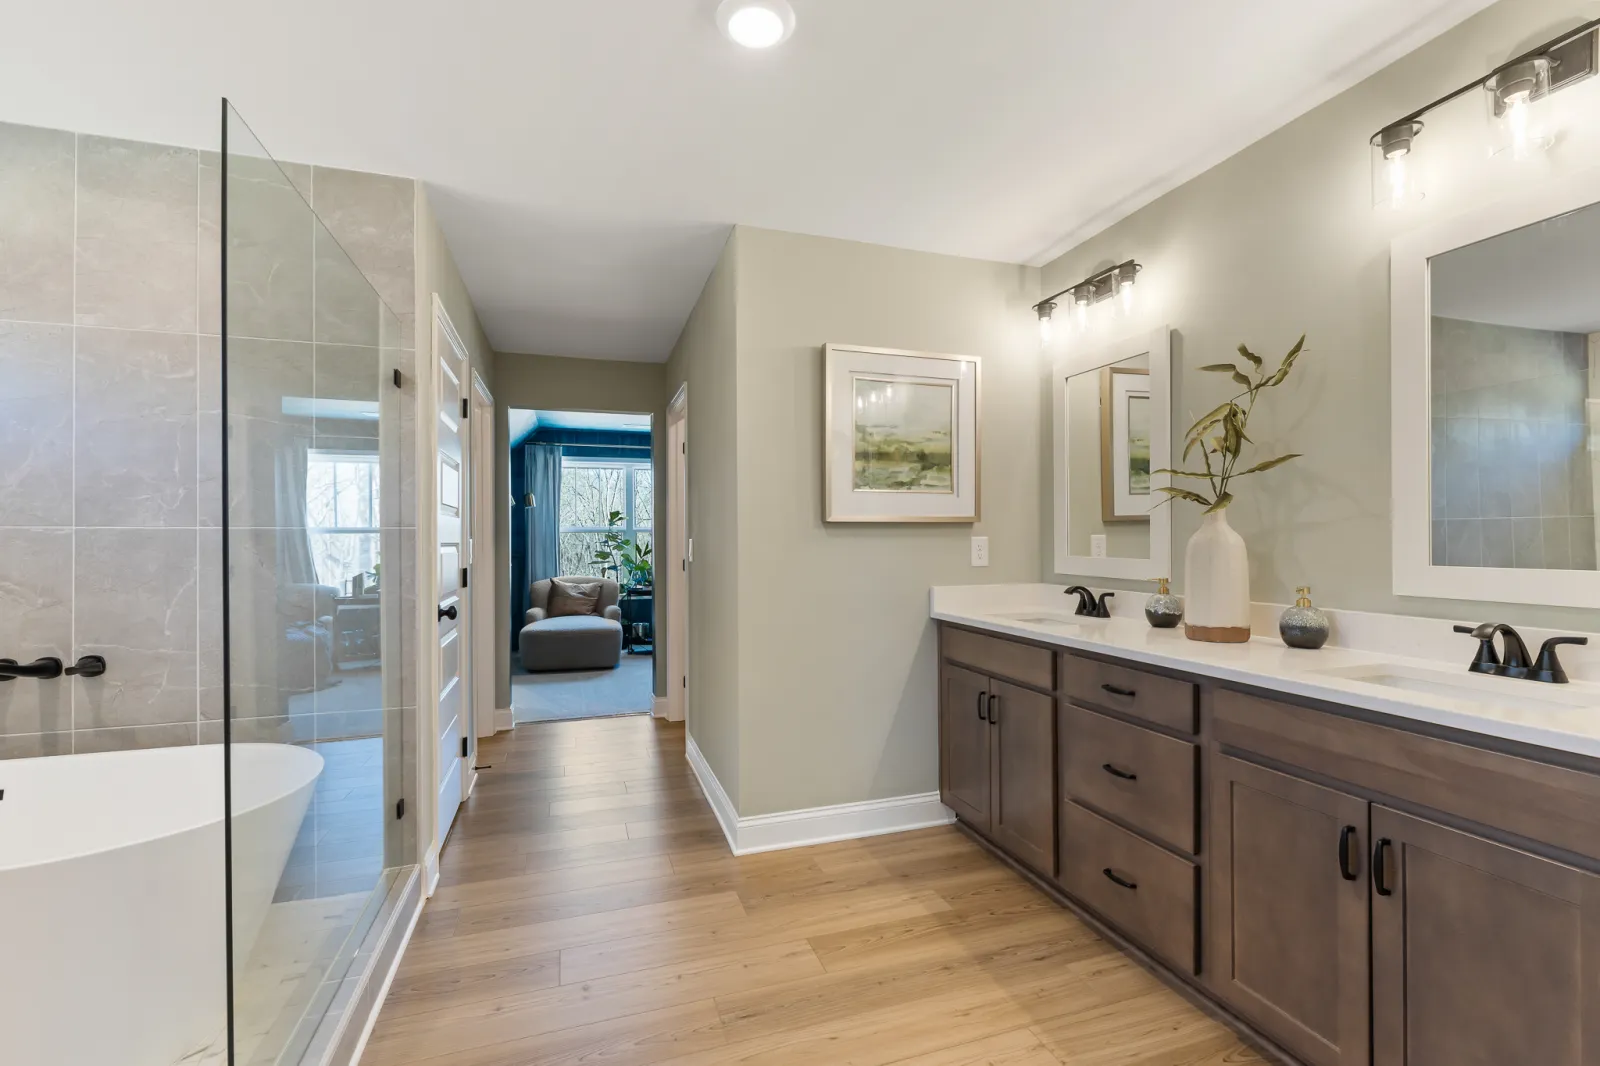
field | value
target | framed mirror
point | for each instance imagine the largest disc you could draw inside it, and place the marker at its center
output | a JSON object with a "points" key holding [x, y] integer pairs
{"points": [[1113, 429], [1495, 318]]}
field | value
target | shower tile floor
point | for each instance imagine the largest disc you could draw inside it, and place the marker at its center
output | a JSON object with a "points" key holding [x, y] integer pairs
{"points": [[332, 871]]}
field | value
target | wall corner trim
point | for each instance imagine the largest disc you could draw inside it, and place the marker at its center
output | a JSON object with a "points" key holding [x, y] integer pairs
{"points": [[815, 825], [504, 719]]}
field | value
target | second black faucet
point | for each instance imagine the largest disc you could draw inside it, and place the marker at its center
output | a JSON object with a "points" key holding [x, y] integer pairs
{"points": [[1088, 606]]}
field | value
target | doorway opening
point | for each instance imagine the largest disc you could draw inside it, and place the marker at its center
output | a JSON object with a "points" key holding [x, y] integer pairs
{"points": [[582, 564]]}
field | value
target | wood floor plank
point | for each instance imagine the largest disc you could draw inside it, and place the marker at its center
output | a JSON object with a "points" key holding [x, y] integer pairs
{"points": [[589, 913]]}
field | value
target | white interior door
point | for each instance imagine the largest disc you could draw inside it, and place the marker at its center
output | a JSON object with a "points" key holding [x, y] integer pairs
{"points": [[451, 524]]}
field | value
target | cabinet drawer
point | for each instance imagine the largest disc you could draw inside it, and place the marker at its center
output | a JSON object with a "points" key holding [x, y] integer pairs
{"points": [[1147, 893], [1162, 700], [1000, 657], [1145, 778]]}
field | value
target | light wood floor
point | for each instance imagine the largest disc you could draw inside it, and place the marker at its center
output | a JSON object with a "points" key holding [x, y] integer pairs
{"points": [[589, 913]]}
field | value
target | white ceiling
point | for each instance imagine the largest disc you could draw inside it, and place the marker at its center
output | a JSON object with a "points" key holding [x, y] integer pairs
{"points": [[586, 159], [1545, 276]]}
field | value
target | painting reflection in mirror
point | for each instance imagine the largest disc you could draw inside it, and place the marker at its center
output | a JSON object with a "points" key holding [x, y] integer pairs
{"points": [[1108, 457], [1514, 340]]}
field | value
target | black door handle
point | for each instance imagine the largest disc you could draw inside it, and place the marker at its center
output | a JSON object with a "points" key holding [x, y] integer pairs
{"points": [[1115, 691], [1380, 867], [993, 702], [1114, 772], [87, 666], [449, 612], [43, 668], [1112, 876], [982, 697], [1347, 859]]}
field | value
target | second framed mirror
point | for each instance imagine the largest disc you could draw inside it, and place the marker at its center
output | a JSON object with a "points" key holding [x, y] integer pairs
{"points": [[1113, 430]]}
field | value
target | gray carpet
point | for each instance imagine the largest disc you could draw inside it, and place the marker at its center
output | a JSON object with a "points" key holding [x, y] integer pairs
{"points": [[629, 689]]}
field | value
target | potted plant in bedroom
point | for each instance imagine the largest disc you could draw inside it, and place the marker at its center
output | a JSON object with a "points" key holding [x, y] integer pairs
{"points": [[617, 553], [1216, 562]]}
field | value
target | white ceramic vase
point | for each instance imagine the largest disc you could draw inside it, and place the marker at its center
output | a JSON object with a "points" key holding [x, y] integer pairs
{"points": [[1216, 578]]}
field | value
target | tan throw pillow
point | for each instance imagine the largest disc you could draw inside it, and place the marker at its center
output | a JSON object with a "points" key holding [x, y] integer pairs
{"points": [[573, 597]]}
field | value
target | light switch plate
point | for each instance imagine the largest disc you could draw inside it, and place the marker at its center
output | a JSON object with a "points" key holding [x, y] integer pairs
{"points": [[980, 551], [1097, 545]]}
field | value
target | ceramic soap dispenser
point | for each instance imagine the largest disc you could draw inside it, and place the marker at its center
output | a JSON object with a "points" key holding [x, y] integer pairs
{"points": [[1303, 626], [1164, 610]]}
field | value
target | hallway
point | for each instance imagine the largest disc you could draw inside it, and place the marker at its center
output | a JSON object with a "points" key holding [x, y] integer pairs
{"points": [[589, 912]]}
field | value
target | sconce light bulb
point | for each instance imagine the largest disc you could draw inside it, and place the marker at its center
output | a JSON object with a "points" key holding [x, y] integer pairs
{"points": [[1517, 124], [1045, 310], [1395, 169], [1125, 292]]}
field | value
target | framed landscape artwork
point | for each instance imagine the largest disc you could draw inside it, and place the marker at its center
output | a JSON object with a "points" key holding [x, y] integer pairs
{"points": [[901, 436], [1125, 445]]}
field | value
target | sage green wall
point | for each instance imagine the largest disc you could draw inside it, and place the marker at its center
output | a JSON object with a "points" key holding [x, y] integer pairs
{"points": [[837, 691], [704, 359], [437, 273], [550, 383], [1279, 240]]}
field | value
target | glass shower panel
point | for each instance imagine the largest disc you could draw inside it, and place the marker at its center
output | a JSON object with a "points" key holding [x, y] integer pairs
{"points": [[317, 424]]}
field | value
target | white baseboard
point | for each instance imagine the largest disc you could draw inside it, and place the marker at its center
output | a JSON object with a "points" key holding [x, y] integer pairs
{"points": [[661, 708], [388, 977], [504, 719], [430, 873], [721, 805], [816, 825]]}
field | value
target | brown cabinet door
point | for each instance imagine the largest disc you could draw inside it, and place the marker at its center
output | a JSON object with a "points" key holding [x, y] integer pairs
{"points": [[1287, 938], [1482, 954], [965, 737], [1024, 811]]}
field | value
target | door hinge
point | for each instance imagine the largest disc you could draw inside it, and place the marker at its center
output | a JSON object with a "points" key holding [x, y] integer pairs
{"points": [[463, 577], [465, 406], [463, 747], [400, 804], [684, 447], [685, 680], [398, 380]]}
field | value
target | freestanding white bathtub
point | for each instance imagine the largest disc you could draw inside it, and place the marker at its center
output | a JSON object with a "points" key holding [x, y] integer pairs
{"points": [[112, 943]]}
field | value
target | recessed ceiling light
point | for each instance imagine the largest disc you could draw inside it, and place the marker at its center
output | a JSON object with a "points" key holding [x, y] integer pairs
{"points": [[756, 23]]}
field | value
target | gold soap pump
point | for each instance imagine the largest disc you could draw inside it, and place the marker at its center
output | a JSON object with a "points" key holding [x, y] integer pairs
{"points": [[1163, 610], [1303, 626]]}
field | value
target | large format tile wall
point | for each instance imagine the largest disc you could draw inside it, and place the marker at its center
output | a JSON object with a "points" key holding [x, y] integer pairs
{"points": [[1513, 476], [110, 511]]}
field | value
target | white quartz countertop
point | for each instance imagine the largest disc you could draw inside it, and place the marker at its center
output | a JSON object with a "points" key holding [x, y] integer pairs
{"points": [[1408, 685]]}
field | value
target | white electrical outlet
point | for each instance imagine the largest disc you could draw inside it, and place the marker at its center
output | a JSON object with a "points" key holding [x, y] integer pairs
{"points": [[980, 551], [1097, 545]]}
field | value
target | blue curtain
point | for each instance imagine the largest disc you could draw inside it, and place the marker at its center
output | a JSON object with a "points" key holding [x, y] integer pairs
{"points": [[542, 474]]}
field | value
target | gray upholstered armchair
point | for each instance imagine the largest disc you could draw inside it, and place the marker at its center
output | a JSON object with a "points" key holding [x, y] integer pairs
{"points": [[571, 642]]}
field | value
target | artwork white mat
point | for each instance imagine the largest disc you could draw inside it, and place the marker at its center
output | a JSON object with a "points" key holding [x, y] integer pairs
{"points": [[843, 500]]}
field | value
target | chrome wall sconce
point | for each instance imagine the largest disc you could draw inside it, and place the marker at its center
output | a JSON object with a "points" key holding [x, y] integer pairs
{"points": [[1113, 281], [1514, 92]]}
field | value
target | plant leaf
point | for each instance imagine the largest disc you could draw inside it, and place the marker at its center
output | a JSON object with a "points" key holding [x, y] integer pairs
{"points": [[1222, 502], [1268, 464], [1185, 494], [1243, 381], [1202, 475], [1252, 356], [1201, 422], [1221, 368]]}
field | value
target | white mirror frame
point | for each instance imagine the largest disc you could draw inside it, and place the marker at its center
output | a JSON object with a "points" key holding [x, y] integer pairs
{"points": [[1157, 344], [1411, 408]]}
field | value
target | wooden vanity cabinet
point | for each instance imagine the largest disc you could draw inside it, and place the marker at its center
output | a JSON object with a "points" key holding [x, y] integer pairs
{"points": [[1347, 889], [1289, 910], [997, 743], [1481, 952]]}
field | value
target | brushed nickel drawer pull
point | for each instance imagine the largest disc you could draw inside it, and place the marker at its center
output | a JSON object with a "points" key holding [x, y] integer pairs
{"points": [[1114, 772], [1111, 876]]}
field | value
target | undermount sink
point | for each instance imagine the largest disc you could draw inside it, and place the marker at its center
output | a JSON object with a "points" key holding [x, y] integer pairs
{"points": [[1046, 618], [1474, 688]]}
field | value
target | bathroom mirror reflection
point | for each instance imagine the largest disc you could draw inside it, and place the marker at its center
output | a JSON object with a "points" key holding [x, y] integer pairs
{"points": [[1112, 430], [1514, 333]]}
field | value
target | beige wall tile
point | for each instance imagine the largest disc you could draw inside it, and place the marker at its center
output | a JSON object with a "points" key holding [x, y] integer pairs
{"points": [[35, 425], [36, 209], [35, 620], [138, 219]]}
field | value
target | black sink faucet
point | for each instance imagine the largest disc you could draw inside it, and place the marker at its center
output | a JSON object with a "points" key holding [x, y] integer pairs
{"points": [[1514, 663], [1088, 606], [1548, 668]]}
